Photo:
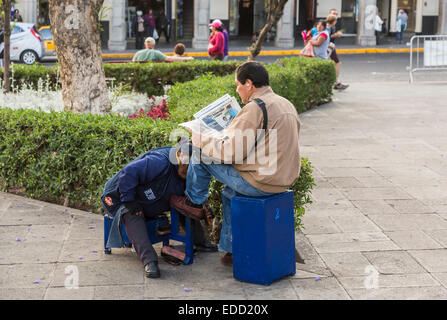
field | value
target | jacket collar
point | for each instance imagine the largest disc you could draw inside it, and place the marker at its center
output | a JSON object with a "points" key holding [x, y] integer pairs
{"points": [[261, 92]]}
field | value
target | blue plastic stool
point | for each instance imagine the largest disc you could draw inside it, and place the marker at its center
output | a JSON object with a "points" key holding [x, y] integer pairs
{"points": [[263, 238], [152, 226]]}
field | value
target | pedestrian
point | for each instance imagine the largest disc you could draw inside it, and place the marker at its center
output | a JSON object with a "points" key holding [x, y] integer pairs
{"points": [[179, 49], [17, 17], [162, 23], [321, 41], [335, 34], [378, 26], [401, 25], [150, 54], [139, 30], [245, 170], [142, 190], [150, 23], [331, 22], [217, 42], [226, 37]]}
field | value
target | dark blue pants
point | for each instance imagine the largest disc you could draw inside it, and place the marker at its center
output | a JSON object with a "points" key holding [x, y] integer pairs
{"points": [[137, 232]]}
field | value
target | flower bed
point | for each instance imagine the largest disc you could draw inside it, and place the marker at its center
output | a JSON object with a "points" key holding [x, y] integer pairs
{"points": [[124, 103]]}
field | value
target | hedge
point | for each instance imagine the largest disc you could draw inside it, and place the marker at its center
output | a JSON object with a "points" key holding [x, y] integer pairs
{"points": [[52, 156], [149, 78], [306, 82], [67, 158]]}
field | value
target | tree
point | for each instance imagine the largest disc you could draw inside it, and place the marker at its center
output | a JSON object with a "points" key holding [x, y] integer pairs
{"points": [[275, 12], [6, 5], [76, 31]]}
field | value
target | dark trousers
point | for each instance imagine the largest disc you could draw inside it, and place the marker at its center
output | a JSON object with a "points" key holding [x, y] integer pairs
{"points": [[219, 57], [150, 31], [378, 37], [139, 40], [137, 232], [165, 31]]}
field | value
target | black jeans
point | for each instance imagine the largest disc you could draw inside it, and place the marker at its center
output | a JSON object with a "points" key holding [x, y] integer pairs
{"points": [[139, 40], [137, 232], [165, 31]]}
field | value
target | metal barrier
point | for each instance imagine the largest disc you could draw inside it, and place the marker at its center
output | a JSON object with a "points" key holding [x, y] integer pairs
{"points": [[427, 53]]}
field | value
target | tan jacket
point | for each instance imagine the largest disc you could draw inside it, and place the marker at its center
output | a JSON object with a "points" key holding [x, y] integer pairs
{"points": [[274, 165]]}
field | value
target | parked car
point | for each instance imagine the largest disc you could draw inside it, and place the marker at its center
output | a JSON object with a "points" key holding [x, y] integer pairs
{"points": [[26, 43], [48, 42]]}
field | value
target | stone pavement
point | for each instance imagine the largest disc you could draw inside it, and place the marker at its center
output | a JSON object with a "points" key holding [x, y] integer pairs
{"points": [[377, 228]]}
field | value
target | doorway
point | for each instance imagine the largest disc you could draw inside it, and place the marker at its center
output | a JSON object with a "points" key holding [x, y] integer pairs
{"points": [[410, 8], [246, 14], [43, 18], [307, 12]]}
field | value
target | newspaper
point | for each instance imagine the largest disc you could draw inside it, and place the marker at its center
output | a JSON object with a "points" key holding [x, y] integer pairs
{"points": [[215, 118]]}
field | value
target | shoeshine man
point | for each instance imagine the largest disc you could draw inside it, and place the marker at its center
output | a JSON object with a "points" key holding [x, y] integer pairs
{"points": [[142, 190], [255, 167]]}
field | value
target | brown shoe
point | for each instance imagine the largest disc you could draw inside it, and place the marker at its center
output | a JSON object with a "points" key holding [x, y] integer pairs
{"points": [[227, 259], [179, 203]]}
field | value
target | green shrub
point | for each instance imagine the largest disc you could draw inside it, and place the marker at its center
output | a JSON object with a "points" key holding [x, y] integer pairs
{"points": [[149, 78], [317, 79], [305, 82], [52, 155], [31, 76]]}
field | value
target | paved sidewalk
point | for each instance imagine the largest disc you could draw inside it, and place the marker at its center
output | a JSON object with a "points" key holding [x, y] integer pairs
{"points": [[379, 152]]}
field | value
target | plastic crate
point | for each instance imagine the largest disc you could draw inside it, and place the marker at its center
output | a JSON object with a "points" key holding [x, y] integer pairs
{"points": [[263, 238]]}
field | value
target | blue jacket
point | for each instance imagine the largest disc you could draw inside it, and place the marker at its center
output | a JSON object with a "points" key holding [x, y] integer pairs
{"points": [[150, 179]]}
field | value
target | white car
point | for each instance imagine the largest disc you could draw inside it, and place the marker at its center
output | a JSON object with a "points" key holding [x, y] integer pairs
{"points": [[26, 43]]}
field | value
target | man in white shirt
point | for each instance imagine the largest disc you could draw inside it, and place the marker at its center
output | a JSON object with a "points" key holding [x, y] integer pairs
{"points": [[378, 26]]}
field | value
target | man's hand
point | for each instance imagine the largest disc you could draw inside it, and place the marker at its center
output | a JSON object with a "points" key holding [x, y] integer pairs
{"points": [[134, 208], [339, 34]]}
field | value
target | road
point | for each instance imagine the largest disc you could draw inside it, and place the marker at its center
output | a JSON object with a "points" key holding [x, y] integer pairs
{"points": [[365, 67]]}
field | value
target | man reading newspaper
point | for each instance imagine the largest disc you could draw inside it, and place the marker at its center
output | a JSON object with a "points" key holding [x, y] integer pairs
{"points": [[256, 155]]}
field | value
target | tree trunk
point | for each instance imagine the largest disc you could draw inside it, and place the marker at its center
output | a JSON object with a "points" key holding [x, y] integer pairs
{"points": [[7, 46], [76, 33], [275, 12]]}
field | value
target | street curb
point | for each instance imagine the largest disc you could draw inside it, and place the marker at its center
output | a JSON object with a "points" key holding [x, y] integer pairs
{"points": [[273, 53]]}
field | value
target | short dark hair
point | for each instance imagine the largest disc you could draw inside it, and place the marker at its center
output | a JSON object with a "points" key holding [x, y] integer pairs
{"points": [[323, 22], [179, 49], [254, 71]]}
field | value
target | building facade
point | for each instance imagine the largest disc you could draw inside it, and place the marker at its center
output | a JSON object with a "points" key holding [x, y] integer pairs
{"points": [[190, 18]]}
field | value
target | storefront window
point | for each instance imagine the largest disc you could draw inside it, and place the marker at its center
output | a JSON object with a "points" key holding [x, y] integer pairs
{"points": [[234, 17], [260, 14], [410, 7]]}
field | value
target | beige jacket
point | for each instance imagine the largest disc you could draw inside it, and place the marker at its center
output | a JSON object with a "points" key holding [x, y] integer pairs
{"points": [[274, 165]]}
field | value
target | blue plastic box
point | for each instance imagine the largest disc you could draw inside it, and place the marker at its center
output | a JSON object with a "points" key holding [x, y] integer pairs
{"points": [[263, 238]]}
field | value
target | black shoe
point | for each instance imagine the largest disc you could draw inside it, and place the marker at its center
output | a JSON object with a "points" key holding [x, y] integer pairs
{"points": [[206, 247], [151, 270], [340, 86]]}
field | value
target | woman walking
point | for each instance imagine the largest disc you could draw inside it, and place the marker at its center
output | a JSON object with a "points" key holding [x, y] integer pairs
{"points": [[217, 42], [150, 23]]}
